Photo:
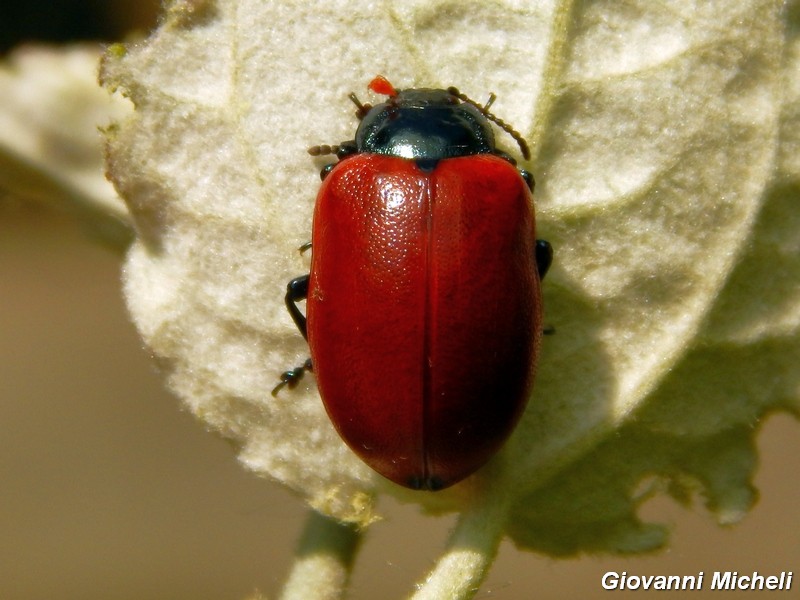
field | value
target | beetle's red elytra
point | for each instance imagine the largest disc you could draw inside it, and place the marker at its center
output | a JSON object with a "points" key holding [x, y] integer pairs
{"points": [[423, 304]]}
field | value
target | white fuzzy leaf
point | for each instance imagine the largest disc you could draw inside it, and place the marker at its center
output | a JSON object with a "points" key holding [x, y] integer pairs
{"points": [[657, 129]]}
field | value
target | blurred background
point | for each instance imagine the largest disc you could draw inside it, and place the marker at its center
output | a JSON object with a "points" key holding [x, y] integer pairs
{"points": [[73, 20], [109, 490]]}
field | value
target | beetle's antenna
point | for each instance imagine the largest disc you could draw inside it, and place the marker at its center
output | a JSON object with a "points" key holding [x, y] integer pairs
{"points": [[523, 145], [361, 109], [322, 150]]}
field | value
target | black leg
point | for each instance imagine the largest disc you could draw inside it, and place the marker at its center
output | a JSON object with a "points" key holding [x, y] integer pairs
{"points": [[292, 376], [544, 257], [528, 177], [326, 170], [296, 291]]}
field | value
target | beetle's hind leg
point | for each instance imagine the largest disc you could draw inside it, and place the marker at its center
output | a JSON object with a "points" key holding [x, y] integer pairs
{"points": [[292, 377], [296, 290]]}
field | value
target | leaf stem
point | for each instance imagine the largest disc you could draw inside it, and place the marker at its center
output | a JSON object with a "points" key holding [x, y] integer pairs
{"points": [[324, 559], [470, 552]]}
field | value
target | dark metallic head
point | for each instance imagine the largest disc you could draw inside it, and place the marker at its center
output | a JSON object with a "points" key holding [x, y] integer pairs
{"points": [[425, 124]]}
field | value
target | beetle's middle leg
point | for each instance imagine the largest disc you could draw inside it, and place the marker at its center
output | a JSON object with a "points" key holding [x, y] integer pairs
{"points": [[296, 290]]}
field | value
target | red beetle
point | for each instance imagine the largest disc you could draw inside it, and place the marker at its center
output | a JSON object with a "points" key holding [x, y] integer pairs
{"points": [[423, 307]]}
